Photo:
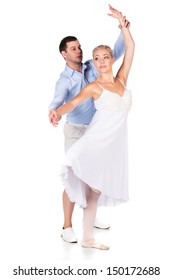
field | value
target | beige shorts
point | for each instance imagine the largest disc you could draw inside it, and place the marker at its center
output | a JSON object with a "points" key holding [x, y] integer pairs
{"points": [[72, 132]]}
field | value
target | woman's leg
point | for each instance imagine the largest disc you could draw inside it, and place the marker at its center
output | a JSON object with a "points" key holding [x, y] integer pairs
{"points": [[89, 214]]}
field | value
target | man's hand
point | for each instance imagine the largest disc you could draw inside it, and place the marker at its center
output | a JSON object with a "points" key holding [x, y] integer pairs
{"points": [[122, 19], [126, 23], [54, 118]]}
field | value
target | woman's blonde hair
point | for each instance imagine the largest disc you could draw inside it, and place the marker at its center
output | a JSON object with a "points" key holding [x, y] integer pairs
{"points": [[103, 47]]}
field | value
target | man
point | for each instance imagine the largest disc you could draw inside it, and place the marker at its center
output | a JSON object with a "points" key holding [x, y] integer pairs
{"points": [[74, 77]]}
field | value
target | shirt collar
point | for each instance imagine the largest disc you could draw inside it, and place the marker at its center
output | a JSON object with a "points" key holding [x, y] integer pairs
{"points": [[70, 71]]}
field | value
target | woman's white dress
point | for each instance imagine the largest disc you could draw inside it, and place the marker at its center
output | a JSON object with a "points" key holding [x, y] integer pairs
{"points": [[99, 159]]}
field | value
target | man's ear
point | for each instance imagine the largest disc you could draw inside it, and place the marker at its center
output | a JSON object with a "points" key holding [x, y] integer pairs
{"points": [[64, 54]]}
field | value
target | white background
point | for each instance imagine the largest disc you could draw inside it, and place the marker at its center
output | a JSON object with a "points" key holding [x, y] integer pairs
{"points": [[32, 150]]}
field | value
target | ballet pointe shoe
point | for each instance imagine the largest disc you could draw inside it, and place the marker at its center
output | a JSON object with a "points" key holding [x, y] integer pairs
{"points": [[93, 244]]}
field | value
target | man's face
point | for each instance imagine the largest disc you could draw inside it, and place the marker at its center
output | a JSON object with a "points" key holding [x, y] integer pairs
{"points": [[73, 53]]}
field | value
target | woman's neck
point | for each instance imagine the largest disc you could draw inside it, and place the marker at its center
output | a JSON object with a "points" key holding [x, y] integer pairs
{"points": [[104, 78]]}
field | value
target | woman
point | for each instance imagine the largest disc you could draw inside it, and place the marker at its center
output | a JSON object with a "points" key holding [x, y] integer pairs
{"points": [[96, 168]]}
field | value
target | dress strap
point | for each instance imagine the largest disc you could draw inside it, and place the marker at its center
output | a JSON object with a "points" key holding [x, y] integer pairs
{"points": [[100, 85], [121, 82]]}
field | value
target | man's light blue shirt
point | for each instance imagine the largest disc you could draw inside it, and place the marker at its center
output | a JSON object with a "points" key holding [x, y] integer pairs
{"points": [[71, 82]]}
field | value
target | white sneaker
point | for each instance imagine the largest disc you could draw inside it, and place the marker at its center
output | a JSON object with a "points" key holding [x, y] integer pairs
{"points": [[68, 235], [101, 225]]}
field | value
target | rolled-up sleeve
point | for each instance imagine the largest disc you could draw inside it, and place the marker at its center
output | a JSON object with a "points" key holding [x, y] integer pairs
{"points": [[60, 95], [119, 47]]}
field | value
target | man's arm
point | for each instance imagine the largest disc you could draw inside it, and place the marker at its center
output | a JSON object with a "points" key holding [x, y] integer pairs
{"points": [[87, 92], [59, 98], [119, 47]]}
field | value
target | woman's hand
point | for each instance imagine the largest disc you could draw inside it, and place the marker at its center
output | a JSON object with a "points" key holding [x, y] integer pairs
{"points": [[54, 117], [115, 13], [123, 22]]}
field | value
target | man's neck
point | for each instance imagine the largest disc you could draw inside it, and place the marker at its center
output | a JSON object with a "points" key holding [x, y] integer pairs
{"points": [[75, 66]]}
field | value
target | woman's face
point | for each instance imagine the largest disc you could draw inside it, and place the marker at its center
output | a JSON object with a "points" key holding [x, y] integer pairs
{"points": [[103, 60]]}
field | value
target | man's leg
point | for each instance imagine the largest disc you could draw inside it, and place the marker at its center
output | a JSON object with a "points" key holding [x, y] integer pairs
{"points": [[68, 207], [72, 133], [67, 231]]}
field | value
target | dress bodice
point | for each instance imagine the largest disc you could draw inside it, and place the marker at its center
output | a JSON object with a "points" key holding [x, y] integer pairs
{"points": [[113, 101]]}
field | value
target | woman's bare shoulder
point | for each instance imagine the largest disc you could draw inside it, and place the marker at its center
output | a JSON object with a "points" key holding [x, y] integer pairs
{"points": [[94, 87]]}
